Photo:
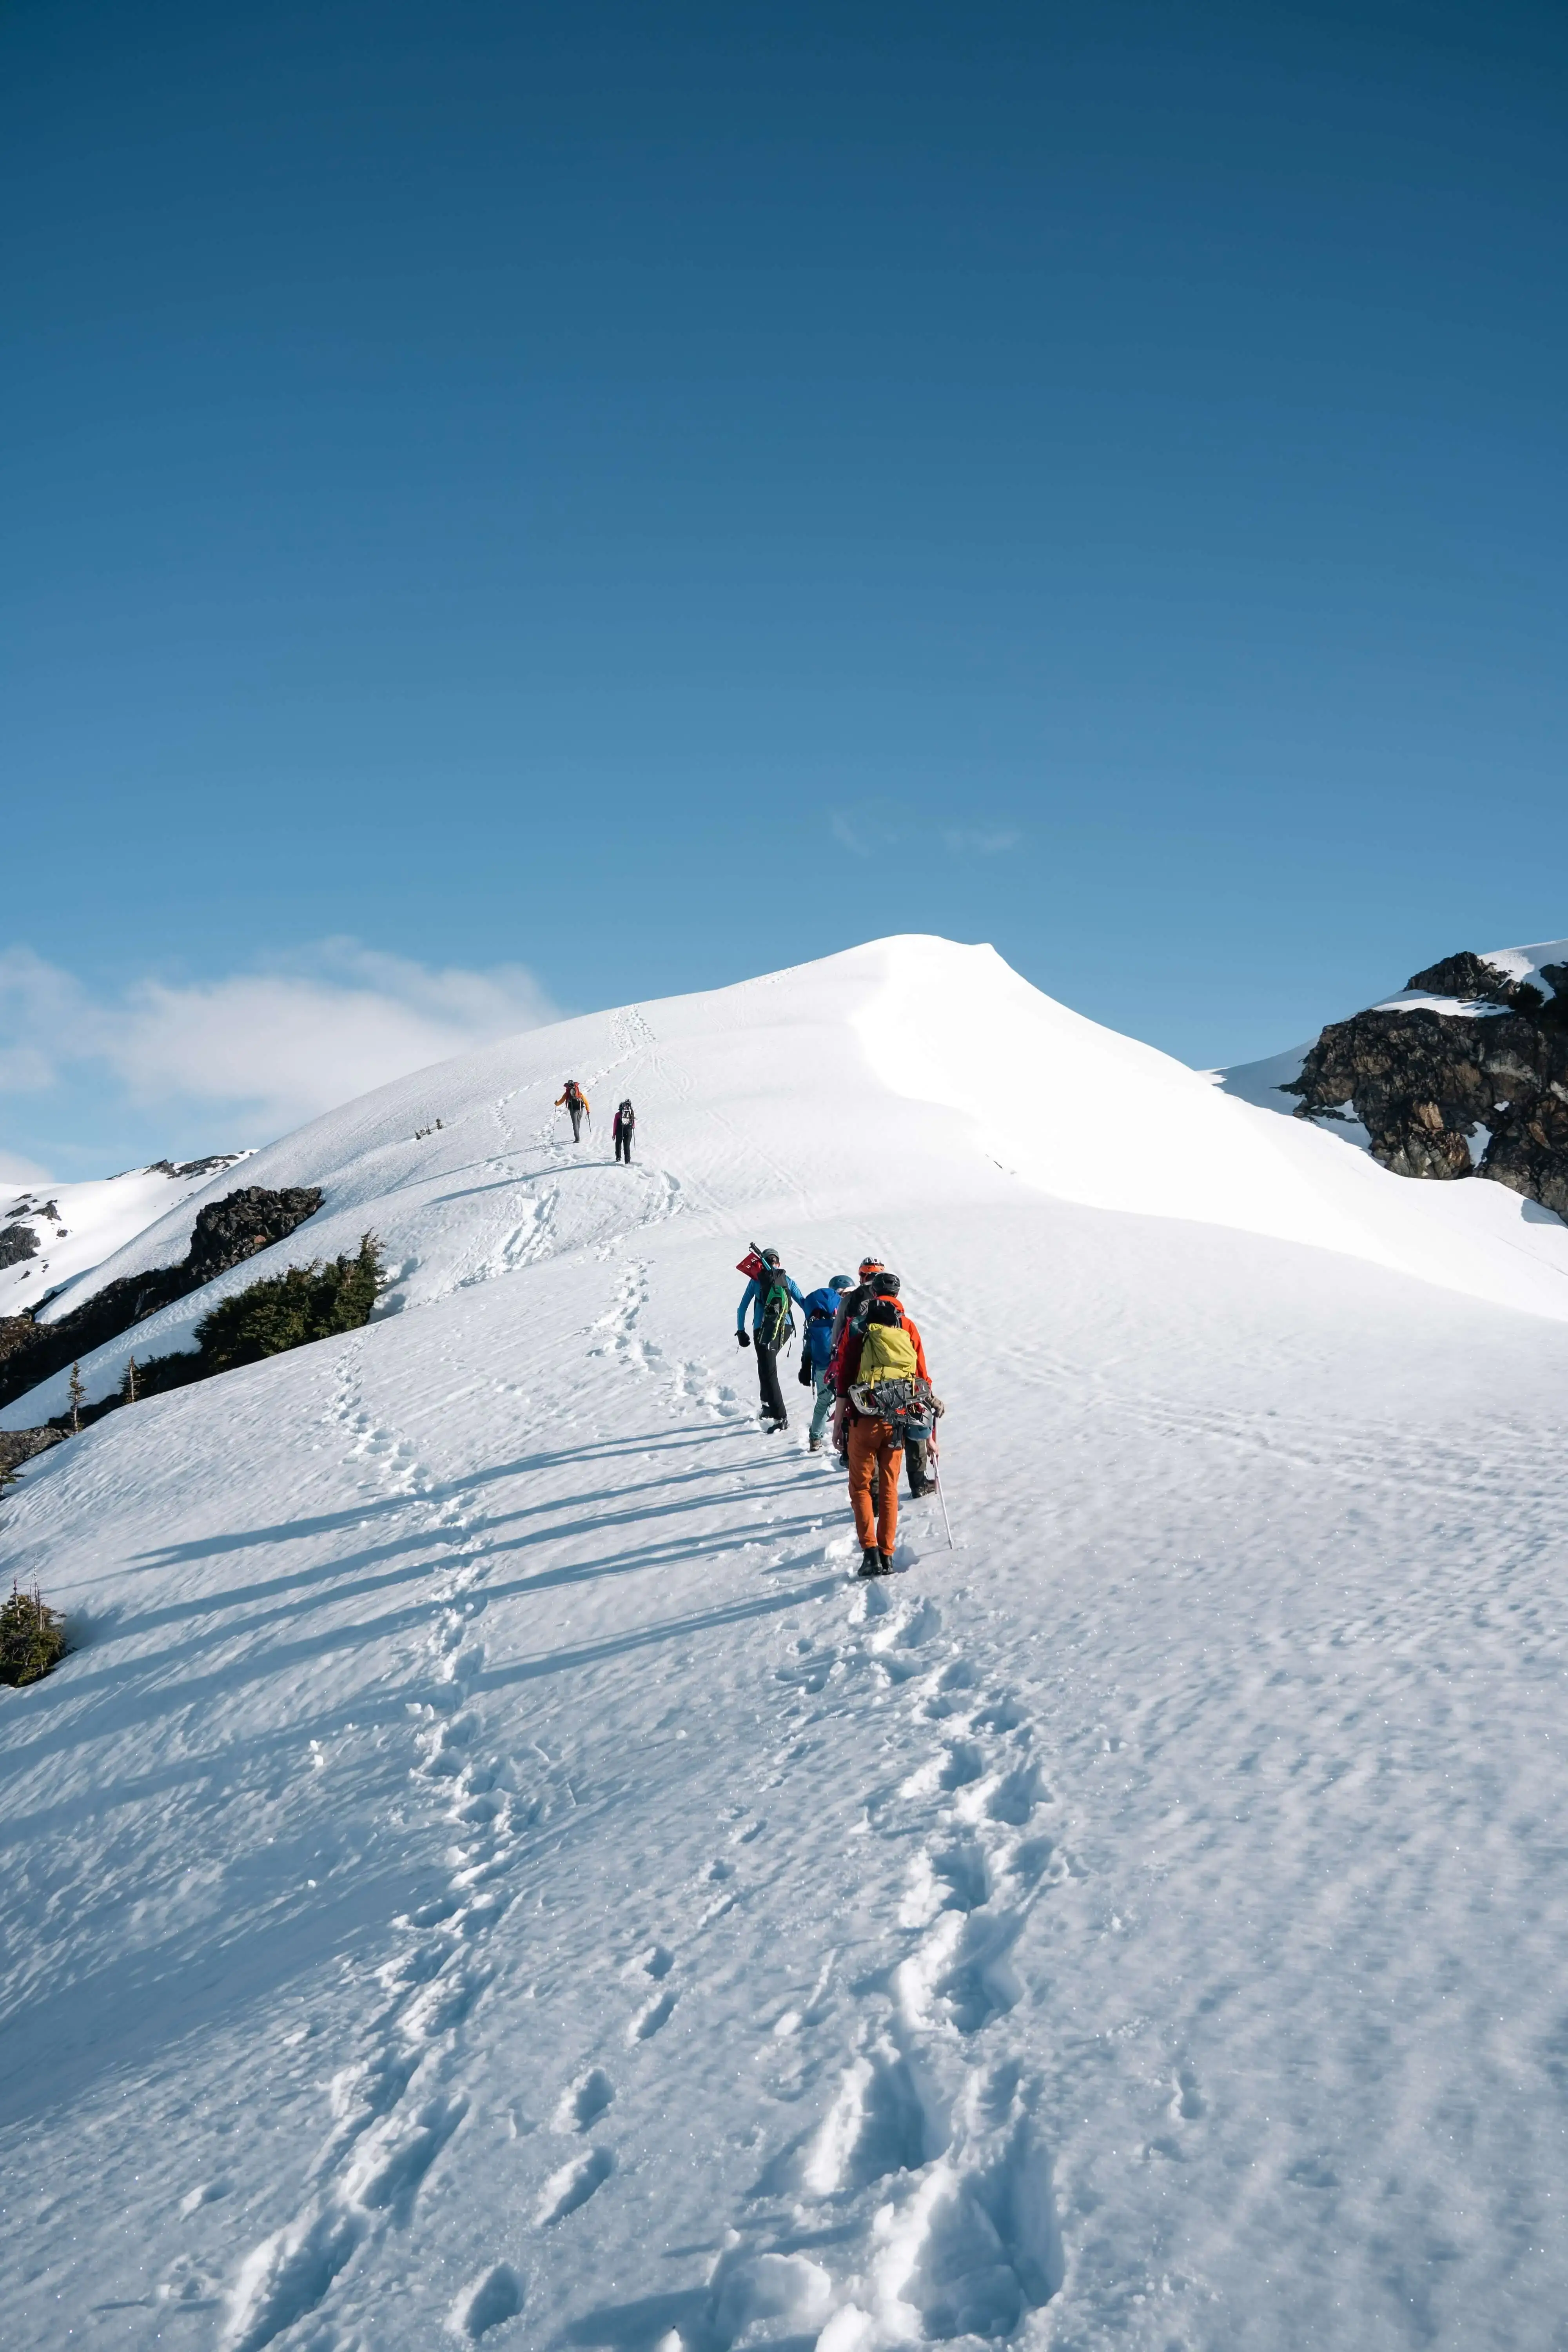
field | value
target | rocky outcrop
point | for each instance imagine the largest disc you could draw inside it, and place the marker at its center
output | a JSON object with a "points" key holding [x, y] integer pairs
{"points": [[227, 1233], [1450, 1095], [18, 1241], [19, 1445]]}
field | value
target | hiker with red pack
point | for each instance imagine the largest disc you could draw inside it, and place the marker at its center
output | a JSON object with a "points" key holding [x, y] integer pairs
{"points": [[882, 1377], [768, 1293]]}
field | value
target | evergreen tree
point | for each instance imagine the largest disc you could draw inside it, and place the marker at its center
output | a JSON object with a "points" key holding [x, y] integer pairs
{"points": [[287, 1310], [31, 1637]]}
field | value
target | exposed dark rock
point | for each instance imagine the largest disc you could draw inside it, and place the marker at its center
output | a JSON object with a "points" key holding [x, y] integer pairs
{"points": [[15, 1331], [1473, 981], [226, 1232], [19, 1445], [236, 1227], [208, 1167], [1424, 1084], [17, 1242], [1530, 1153]]}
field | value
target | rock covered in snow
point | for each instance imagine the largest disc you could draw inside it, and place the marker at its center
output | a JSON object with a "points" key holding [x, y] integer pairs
{"points": [[1467, 1074]]}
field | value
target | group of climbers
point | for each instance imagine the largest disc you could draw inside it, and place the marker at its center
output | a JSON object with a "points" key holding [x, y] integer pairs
{"points": [[575, 1103], [865, 1361], [863, 1358]]}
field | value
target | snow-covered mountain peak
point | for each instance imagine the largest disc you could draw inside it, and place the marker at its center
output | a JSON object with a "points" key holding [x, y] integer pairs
{"points": [[490, 1874]]}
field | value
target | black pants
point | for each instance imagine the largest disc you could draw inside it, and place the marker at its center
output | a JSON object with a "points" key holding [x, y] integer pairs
{"points": [[624, 1144], [768, 1382], [574, 1113]]}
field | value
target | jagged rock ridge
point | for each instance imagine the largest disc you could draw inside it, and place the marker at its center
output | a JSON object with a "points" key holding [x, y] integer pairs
{"points": [[1480, 1090]]}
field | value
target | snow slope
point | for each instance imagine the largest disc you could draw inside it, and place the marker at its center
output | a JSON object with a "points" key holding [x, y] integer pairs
{"points": [[77, 1226], [488, 1873]]}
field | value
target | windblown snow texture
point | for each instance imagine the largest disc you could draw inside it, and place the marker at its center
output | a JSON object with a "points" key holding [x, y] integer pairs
{"points": [[490, 1874]]}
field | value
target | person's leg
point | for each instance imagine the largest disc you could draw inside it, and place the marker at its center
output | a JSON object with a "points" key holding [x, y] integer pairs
{"points": [[627, 1139], [823, 1408], [915, 1464], [576, 1124], [862, 1461], [768, 1370], [761, 1354], [886, 1455]]}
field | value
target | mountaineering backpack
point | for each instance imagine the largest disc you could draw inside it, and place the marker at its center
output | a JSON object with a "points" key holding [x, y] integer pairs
{"points": [[888, 1384], [821, 1306], [774, 1323]]}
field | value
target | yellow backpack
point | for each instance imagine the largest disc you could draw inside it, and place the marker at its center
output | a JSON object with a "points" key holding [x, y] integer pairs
{"points": [[887, 1353]]}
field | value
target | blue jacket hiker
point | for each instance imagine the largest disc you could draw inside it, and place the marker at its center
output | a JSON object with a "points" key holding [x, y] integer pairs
{"points": [[769, 1293], [821, 1309]]}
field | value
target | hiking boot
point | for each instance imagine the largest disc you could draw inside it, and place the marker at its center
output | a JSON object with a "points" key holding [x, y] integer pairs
{"points": [[814, 1445], [870, 1563], [887, 1560]]}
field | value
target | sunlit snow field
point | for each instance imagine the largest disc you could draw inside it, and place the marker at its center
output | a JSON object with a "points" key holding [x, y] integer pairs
{"points": [[490, 1873]]}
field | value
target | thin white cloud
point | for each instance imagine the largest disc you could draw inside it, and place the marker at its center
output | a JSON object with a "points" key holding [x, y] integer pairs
{"points": [[277, 1046], [864, 828], [980, 841]]}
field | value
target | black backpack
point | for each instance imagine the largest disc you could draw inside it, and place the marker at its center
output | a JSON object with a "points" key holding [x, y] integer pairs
{"points": [[776, 1321]]}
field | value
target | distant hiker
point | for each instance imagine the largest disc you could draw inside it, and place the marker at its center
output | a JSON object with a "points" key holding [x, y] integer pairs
{"points": [[881, 1374], [816, 1356], [768, 1294], [576, 1103], [626, 1119]]}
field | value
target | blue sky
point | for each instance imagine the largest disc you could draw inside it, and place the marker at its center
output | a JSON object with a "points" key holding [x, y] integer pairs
{"points": [[511, 507]]}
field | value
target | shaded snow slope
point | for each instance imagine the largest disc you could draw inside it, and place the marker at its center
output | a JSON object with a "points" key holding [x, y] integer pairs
{"points": [[77, 1226], [488, 1875]]}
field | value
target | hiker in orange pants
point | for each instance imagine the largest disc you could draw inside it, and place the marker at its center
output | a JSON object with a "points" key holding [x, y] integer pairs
{"points": [[874, 1450]]}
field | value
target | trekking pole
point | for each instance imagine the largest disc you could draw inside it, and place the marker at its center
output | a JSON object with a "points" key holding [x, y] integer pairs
{"points": [[941, 1499], [947, 1523]]}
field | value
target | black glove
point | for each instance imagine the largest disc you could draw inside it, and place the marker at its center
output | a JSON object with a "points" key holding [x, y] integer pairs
{"points": [[805, 1372], [743, 1339]]}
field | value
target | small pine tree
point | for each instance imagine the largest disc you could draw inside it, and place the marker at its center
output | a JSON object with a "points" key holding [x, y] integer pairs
{"points": [[31, 1637], [78, 1395], [131, 1382]]}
